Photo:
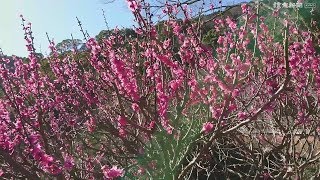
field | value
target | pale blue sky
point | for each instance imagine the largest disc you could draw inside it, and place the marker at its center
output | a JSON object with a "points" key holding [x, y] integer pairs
{"points": [[58, 18]]}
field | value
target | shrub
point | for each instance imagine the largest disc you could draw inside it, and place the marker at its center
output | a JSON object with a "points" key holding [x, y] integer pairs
{"points": [[148, 108]]}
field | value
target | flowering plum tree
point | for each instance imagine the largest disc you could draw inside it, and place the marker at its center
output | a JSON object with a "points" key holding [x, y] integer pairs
{"points": [[164, 105]]}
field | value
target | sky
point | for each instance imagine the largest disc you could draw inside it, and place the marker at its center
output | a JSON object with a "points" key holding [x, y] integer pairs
{"points": [[58, 18]]}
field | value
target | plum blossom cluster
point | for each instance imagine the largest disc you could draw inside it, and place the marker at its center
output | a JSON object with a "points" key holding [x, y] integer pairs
{"points": [[93, 113]]}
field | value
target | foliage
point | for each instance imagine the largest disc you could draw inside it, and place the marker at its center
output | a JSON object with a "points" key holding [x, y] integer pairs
{"points": [[68, 44]]}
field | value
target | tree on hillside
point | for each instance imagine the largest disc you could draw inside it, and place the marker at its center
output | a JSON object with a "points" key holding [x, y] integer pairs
{"points": [[68, 44]]}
